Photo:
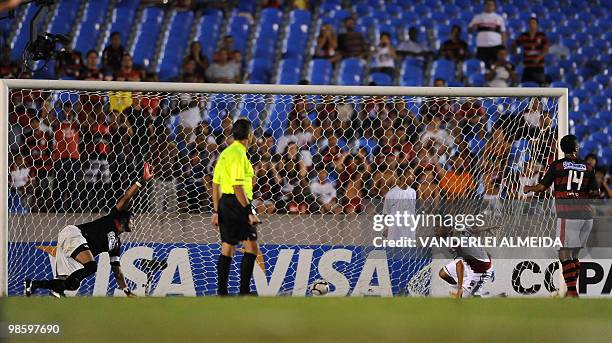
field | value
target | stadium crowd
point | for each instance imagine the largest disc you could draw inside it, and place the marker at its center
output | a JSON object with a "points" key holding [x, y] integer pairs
{"points": [[334, 156]]}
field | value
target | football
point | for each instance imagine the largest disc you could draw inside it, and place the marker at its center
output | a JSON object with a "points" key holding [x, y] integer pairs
{"points": [[319, 287]]}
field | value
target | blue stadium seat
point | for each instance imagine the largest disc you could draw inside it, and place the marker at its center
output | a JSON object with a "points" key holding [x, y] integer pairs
{"points": [[579, 130], [443, 68], [219, 106], [414, 62], [572, 79], [473, 66], [276, 123], [580, 94], [289, 72], [476, 80], [560, 84], [88, 31], [592, 86], [300, 17], [605, 155], [295, 41], [351, 72], [588, 108], [260, 70], [362, 9], [553, 72], [23, 32], [601, 137], [601, 102], [248, 6], [319, 71], [147, 35], [267, 33], [254, 105], [411, 76], [605, 115], [607, 93], [208, 31], [239, 29], [175, 45], [381, 79], [529, 84]]}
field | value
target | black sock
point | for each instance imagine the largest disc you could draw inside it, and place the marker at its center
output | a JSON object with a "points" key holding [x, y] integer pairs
{"points": [[246, 272], [223, 269]]}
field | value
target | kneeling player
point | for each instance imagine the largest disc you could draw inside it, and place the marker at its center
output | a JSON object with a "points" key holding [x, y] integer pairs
{"points": [[77, 245], [470, 269]]}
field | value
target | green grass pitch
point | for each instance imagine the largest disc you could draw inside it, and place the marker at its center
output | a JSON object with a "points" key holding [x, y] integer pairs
{"points": [[212, 319]]}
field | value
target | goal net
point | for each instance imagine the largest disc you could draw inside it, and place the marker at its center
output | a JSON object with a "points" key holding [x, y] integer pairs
{"points": [[325, 158]]}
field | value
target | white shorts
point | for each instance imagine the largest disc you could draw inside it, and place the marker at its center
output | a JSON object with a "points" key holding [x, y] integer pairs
{"points": [[574, 233], [68, 240], [472, 281]]}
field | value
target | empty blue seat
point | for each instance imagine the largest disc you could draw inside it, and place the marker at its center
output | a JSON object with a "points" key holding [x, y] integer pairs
{"points": [[592, 87], [300, 17], [588, 108], [319, 71], [572, 79], [473, 66], [476, 80], [276, 123], [147, 35], [579, 93], [176, 44], [254, 105], [362, 9], [605, 115], [381, 79], [579, 130], [414, 62], [259, 70], [351, 72], [239, 29], [553, 72], [601, 102], [444, 69], [411, 76], [529, 84], [207, 33], [295, 42], [560, 84], [289, 72]]}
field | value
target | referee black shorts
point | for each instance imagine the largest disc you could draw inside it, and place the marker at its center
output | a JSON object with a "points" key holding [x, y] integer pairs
{"points": [[234, 221]]}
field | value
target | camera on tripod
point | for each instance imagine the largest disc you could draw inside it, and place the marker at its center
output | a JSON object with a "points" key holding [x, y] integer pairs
{"points": [[44, 47]]}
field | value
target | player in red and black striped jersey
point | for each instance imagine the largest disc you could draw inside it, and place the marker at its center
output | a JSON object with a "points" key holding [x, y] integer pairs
{"points": [[574, 183]]}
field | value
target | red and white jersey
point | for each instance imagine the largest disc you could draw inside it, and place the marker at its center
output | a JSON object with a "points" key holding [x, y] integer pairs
{"points": [[489, 27]]}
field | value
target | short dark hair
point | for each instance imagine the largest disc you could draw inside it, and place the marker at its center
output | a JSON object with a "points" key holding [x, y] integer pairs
{"points": [[439, 79], [534, 18], [92, 51], [593, 156], [241, 129], [115, 33], [384, 33], [569, 144]]}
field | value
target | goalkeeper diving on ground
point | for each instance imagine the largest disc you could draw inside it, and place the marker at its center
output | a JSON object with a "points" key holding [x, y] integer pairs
{"points": [[77, 246]]}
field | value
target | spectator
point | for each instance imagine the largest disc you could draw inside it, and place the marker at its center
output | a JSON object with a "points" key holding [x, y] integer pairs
{"points": [[267, 189], [190, 117], [591, 159], [167, 169], [436, 133], [272, 4], [501, 73], [327, 44], [236, 62], [67, 164], [228, 43], [20, 178], [428, 189], [113, 54], [38, 143], [603, 183], [221, 71], [200, 59], [352, 43], [384, 177], [292, 171], [9, 68], [491, 36], [351, 170], [90, 70], [535, 48], [324, 194], [558, 49], [384, 56], [127, 71], [192, 190], [189, 73], [455, 49], [457, 182], [412, 47], [97, 144], [69, 65]]}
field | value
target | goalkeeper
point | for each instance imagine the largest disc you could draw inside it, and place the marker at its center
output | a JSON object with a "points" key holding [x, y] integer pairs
{"points": [[77, 245]]}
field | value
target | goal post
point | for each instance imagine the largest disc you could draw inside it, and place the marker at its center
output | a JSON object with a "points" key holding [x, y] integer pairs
{"points": [[313, 246]]}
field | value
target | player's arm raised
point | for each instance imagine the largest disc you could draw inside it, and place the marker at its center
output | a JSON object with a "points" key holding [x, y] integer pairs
{"points": [[147, 175], [543, 185]]}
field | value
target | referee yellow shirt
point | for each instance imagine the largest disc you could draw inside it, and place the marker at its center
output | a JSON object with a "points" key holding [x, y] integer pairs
{"points": [[233, 168]]}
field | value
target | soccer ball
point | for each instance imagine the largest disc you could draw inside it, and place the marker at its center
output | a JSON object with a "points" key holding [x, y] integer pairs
{"points": [[319, 287]]}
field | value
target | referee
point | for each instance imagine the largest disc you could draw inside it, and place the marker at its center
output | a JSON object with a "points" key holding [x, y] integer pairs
{"points": [[233, 212]]}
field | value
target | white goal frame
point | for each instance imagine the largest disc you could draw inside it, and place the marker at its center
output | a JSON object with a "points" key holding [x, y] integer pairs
{"points": [[7, 84]]}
